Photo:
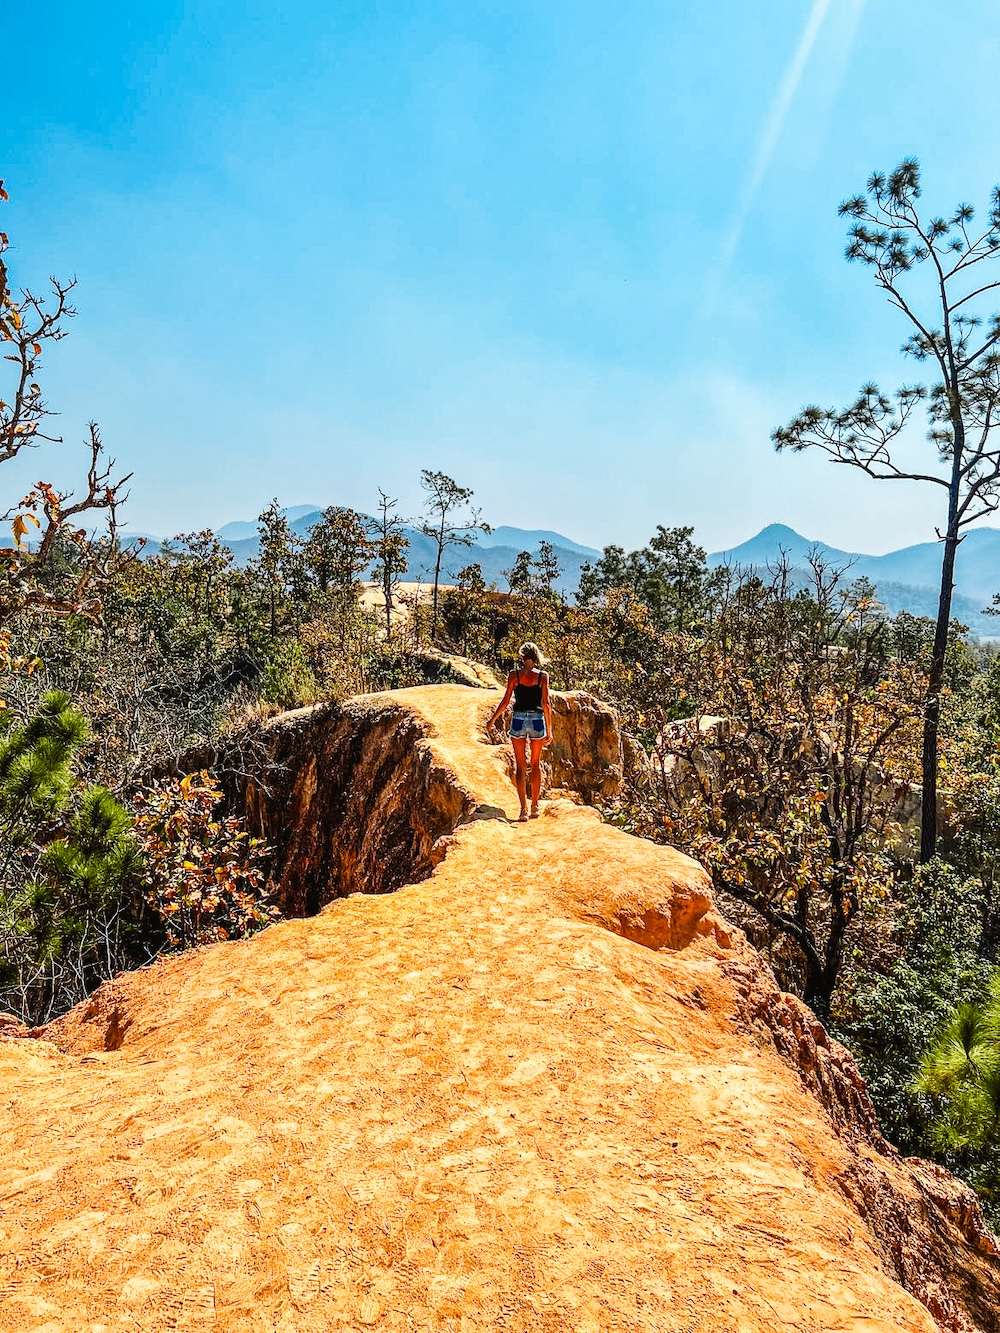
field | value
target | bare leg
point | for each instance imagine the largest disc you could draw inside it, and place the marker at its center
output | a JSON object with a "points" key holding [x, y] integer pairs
{"points": [[536, 774], [519, 776]]}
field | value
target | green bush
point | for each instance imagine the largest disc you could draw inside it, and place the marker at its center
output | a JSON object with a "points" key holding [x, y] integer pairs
{"points": [[68, 865], [287, 680], [959, 1073], [895, 996]]}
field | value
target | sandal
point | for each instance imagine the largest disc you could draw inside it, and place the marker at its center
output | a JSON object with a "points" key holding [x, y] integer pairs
{"points": [[523, 817], [534, 810]]}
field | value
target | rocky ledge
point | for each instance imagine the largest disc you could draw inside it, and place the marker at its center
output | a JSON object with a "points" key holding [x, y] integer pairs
{"points": [[542, 1085]]}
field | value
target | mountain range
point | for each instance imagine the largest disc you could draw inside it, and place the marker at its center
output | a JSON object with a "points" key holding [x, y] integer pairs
{"points": [[495, 551], [906, 579]]}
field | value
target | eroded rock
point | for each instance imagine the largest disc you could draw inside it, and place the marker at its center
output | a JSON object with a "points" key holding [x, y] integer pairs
{"points": [[350, 798], [353, 798], [586, 751], [546, 1087]]}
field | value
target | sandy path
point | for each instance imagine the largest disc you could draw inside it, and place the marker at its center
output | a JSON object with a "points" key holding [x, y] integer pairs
{"points": [[467, 1105]]}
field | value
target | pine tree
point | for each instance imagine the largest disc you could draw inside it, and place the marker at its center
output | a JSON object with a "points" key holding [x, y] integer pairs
{"points": [[68, 863], [390, 545], [449, 521], [960, 1076], [931, 270]]}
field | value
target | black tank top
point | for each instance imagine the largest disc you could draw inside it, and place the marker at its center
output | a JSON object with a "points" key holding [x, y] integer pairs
{"points": [[527, 696]]}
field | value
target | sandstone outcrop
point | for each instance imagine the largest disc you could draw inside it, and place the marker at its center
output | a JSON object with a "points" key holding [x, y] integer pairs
{"points": [[356, 797], [546, 1087], [450, 668], [586, 751], [350, 797]]}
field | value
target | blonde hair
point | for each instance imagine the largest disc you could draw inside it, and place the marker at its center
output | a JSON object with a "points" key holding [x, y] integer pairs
{"points": [[532, 653]]}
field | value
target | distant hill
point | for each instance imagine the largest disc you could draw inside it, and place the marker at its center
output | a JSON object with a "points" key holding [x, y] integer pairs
{"points": [[527, 539], [246, 529], [495, 551], [906, 579], [769, 544]]}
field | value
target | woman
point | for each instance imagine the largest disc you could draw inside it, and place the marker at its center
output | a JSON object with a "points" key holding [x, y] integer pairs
{"points": [[531, 722]]}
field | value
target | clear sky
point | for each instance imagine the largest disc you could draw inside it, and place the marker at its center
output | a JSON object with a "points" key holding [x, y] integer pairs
{"points": [[582, 256]]}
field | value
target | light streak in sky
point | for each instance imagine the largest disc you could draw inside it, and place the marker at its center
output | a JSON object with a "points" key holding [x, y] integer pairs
{"points": [[770, 133]]}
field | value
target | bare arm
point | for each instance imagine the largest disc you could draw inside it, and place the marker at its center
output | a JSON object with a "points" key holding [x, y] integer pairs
{"points": [[502, 705], [546, 708]]}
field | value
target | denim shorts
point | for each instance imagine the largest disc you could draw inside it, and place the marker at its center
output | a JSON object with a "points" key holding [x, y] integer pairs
{"points": [[528, 726]]}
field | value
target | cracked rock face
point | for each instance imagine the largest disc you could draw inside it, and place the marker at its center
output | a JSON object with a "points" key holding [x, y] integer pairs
{"points": [[540, 1086], [353, 798]]}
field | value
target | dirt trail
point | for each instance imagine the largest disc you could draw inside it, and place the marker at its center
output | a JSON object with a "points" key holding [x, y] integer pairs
{"points": [[471, 1104]]}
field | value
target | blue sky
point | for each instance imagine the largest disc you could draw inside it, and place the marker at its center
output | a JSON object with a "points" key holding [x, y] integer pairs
{"points": [[583, 257]]}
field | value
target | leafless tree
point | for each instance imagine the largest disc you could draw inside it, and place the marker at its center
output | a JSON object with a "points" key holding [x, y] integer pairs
{"points": [[46, 523]]}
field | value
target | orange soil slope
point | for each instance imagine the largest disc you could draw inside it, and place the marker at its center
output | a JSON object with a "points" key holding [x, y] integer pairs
{"points": [[471, 1104]]}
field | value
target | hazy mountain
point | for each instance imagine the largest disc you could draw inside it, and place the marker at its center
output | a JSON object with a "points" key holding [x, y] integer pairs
{"points": [[245, 529], [977, 565], [150, 545], [528, 539], [768, 545], [241, 530], [495, 551], [907, 580]]}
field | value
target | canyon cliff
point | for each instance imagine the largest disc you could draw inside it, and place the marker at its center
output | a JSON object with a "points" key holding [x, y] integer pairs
{"points": [[491, 1076]]}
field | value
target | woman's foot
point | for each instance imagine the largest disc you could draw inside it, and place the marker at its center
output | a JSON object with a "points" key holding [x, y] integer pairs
{"points": [[523, 817], [534, 809]]}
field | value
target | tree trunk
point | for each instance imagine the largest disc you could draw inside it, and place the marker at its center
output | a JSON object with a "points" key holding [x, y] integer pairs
{"points": [[817, 989], [817, 997], [932, 706], [935, 680], [823, 973], [437, 575]]}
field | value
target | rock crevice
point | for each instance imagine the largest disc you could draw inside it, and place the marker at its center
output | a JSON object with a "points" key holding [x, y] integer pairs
{"points": [[349, 798], [354, 797]]}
